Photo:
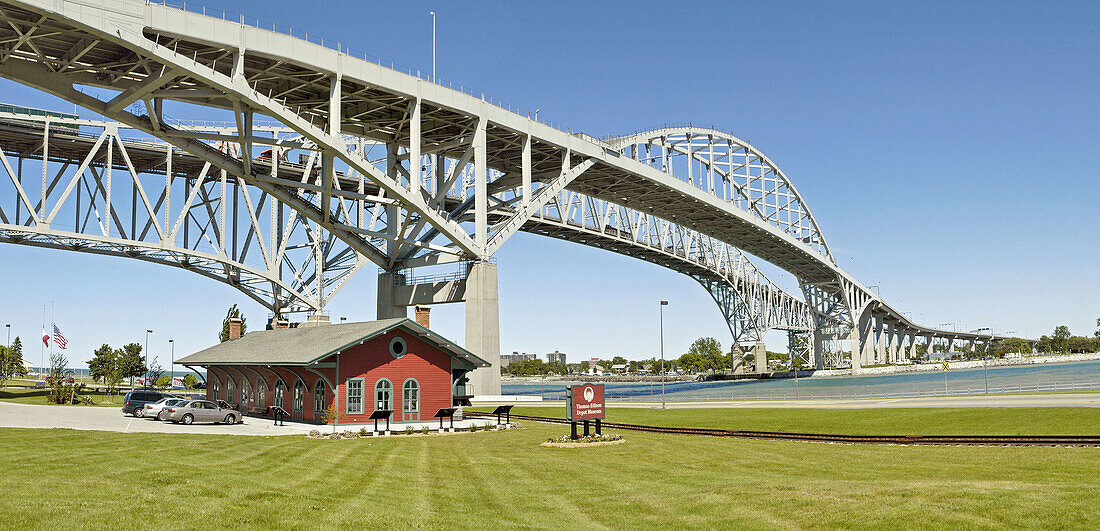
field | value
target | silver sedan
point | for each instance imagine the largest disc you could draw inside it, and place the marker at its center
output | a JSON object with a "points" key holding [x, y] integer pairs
{"points": [[200, 411], [156, 409]]}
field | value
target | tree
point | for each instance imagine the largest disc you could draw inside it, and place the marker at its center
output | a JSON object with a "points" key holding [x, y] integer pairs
{"points": [[156, 372], [11, 361], [231, 314], [103, 358], [164, 381], [132, 362], [1060, 339], [189, 381], [705, 354], [1096, 334]]}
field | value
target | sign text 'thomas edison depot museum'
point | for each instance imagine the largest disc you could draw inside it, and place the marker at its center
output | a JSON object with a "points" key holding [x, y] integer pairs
{"points": [[585, 402]]}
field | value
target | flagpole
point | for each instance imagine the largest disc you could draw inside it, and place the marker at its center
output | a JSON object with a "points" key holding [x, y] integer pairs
{"points": [[42, 344]]}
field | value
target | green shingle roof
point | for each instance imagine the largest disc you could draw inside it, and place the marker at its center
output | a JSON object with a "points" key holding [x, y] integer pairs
{"points": [[309, 344]]}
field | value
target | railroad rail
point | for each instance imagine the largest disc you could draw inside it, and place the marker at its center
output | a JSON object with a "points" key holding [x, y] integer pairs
{"points": [[927, 440]]}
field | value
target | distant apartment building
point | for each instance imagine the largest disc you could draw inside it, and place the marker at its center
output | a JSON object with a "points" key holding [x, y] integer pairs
{"points": [[507, 359], [555, 356]]}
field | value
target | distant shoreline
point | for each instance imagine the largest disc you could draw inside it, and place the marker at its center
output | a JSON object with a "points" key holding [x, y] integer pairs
{"points": [[938, 366], [826, 373]]}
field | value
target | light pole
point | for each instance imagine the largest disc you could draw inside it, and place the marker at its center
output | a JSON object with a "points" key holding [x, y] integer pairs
{"points": [[662, 307], [433, 45], [8, 326], [147, 332], [172, 367]]}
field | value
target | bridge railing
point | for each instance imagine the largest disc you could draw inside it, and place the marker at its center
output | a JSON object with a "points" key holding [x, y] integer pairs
{"points": [[286, 29]]}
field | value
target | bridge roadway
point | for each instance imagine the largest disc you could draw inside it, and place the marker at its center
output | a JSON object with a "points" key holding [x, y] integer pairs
{"points": [[112, 56]]}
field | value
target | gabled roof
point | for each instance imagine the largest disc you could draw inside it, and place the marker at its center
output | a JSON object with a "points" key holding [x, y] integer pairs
{"points": [[306, 345]]}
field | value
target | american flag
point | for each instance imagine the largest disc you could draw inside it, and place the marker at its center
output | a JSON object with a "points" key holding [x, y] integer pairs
{"points": [[58, 338]]}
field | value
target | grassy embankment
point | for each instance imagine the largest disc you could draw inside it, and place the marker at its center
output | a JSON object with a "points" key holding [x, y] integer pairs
{"points": [[498, 479], [24, 392]]}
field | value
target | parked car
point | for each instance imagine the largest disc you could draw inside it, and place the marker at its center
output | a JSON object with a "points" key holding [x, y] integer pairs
{"points": [[135, 401], [200, 411], [156, 409]]}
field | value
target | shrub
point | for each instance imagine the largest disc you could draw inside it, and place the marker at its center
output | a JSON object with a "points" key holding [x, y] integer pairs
{"points": [[409, 430], [424, 430], [473, 428], [363, 431]]}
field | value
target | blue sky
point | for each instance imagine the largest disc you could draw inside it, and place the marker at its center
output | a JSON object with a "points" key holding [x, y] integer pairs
{"points": [[948, 151]]}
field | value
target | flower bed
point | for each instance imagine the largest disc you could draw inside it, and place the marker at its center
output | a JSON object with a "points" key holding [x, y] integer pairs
{"points": [[566, 441]]}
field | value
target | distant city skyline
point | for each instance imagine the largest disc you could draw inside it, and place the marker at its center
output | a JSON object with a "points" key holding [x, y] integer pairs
{"points": [[951, 162]]}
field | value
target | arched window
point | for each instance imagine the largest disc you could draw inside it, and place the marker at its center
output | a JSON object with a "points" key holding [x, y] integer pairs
{"points": [[215, 387], [246, 393], [410, 400], [319, 399], [383, 395], [280, 392], [229, 388], [299, 396], [261, 393]]}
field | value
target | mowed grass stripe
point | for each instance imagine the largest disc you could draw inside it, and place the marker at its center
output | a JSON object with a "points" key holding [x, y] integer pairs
{"points": [[504, 479]]}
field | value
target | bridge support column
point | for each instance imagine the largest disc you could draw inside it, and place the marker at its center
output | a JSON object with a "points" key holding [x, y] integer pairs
{"points": [[819, 350], [483, 326], [912, 353], [880, 340], [893, 340], [760, 353], [862, 339], [388, 307]]}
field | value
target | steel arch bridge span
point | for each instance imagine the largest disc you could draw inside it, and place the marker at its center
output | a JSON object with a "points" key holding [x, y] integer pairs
{"points": [[750, 301]]}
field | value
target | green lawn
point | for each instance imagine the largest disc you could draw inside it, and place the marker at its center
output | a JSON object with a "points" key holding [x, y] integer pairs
{"points": [[38, 396], [504, 479], [907, 421]]}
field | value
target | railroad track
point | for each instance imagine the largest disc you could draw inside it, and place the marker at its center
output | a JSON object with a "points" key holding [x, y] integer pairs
{"points": [[943, 440]]}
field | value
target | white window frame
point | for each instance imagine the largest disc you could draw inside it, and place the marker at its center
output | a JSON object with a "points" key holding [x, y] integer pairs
{"points": [[348, 396], [319, 401]]}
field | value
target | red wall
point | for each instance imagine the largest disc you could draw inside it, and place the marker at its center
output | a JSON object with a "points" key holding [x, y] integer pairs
{"points": [[371, 361]]}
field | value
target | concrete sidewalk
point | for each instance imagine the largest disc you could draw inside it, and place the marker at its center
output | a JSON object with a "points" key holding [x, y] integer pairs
{"points": [[13, 415]]}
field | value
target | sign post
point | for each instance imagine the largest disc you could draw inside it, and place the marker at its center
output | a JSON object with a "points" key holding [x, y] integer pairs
{"points": [[584, 402]]}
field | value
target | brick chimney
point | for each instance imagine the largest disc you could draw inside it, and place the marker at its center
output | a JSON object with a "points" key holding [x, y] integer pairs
{"points": [[422, 315], [235, 327]]}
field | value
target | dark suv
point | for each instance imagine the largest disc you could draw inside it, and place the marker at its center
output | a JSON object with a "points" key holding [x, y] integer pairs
{"points": [[134, 403]]}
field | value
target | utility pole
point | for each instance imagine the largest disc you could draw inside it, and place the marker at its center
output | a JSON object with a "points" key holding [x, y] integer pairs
{"points": [[433, 45], [662, 307], [172, 367]]}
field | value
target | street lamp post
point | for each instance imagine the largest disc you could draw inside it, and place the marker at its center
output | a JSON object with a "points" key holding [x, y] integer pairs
{"points": [[147, 332], [8, 326], [433, 45], [662, 306], [172, 367]]}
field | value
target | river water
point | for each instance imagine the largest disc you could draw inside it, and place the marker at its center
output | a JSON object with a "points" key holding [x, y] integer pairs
{"points": [[1019, 378]]}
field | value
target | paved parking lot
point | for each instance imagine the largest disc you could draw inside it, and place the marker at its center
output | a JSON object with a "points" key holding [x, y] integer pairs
{"points": [[14, 415], [111, 419]]}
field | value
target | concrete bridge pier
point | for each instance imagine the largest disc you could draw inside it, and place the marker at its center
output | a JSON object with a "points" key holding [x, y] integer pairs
{"points": [[483, 326], [819, 350], [760, 353], [880, 340], [388, 306]]}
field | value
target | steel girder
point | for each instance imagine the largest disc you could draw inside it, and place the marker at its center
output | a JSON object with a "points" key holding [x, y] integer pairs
{"points": [[106, 193]]}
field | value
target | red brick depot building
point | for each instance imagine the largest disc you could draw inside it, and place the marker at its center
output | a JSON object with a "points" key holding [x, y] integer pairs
{"points": [[393, 364]]}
